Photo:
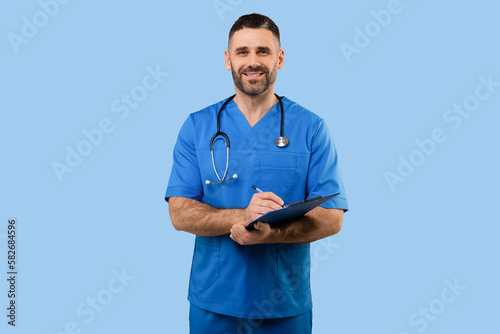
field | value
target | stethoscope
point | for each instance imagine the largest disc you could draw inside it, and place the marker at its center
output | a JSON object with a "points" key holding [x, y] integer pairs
{"points": [[281, 141]]}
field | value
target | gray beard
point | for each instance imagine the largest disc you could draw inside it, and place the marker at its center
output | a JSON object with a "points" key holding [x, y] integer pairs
{"points": [[254, 89]]}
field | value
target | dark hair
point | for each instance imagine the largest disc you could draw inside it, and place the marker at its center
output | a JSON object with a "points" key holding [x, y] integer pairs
{"points": [[255, 21]]}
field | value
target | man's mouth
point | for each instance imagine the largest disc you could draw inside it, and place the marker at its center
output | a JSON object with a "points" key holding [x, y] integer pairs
{"points": [[253, 75]]}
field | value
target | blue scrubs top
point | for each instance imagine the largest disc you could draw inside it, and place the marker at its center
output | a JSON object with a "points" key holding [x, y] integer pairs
{"points": [[257, 281]]}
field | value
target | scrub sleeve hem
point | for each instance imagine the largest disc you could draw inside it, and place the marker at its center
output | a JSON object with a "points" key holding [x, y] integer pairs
{"points": [[179, 191], [336, 203]]}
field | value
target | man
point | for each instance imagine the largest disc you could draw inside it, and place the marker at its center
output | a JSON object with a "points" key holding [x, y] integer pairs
{"points": [[253, 281]]}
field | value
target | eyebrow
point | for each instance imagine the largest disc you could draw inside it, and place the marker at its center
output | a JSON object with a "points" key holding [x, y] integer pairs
{"points": [[259, 48]]}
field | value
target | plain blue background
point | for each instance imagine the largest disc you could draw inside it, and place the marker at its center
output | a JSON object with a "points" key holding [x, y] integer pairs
{"points": [[396, 248]]}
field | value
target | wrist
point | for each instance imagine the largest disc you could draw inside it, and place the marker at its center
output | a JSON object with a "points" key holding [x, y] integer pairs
{"points": [[240, 217], [274, 236]]}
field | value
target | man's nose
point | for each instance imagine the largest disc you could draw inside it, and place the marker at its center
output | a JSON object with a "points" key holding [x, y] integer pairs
{"points": [[253, 59]]}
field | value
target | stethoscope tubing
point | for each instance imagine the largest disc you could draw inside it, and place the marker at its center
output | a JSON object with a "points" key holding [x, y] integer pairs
{"points": [[226, 138]]}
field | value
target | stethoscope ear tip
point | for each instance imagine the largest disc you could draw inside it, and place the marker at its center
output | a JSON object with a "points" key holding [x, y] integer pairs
{"points": [[207, 182], [235, 176]]}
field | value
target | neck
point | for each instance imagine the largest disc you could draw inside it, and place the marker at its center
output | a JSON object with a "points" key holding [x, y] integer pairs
{"points": [[255, 107]]}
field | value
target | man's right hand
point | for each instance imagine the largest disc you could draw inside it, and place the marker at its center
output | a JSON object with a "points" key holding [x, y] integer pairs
{"points": [[261, 204]]}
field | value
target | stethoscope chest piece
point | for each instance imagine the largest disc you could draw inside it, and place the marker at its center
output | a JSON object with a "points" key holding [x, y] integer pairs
{"points": [[282, 141]]}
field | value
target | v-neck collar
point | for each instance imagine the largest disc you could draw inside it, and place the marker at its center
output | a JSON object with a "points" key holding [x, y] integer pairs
{"points": [[233, 107], [247, 133]]}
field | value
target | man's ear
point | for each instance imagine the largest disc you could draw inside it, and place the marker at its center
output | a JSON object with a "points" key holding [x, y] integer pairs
{"points": [[228, 61], [281, 59]]}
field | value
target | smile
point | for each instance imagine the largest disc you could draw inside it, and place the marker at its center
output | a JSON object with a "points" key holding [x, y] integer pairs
{"points": [[253, 74]]}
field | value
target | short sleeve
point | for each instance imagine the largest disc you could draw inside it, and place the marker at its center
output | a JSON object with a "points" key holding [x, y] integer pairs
{"points": [[185, 178], [324, 177]]}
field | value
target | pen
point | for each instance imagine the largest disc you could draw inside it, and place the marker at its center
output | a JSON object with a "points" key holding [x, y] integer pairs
{"points": [[257, 189], [260, 191]]}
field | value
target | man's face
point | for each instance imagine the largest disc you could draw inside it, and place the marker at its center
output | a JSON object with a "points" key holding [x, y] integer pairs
{"points": [[254, 58]]}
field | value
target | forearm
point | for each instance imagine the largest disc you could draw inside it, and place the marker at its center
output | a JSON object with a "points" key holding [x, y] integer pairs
{"points": [[317, 224], [201, 219]]}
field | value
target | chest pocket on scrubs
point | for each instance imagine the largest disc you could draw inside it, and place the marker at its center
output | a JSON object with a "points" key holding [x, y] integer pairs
{"points": [[277, 173], [205, 268]]}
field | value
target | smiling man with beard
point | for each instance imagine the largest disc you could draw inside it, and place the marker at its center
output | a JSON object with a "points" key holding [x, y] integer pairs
{"points": [[253, 281]]}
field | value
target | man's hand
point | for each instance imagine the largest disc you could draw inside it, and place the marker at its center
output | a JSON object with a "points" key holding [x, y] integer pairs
{"points": [[245, 237], [260, 204]]}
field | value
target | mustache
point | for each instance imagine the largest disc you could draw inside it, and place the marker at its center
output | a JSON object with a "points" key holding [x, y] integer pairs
{"points": [[254, 69]]}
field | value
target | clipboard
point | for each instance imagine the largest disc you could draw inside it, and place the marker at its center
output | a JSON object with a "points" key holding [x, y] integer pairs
{"points": [[290, 211]]}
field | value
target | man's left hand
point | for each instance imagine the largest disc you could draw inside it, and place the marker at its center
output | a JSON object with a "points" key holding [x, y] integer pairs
{"points": [[242, 236]]}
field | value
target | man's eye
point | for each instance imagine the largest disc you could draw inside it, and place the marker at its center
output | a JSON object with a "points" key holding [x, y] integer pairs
{"points": [[242, 53]]}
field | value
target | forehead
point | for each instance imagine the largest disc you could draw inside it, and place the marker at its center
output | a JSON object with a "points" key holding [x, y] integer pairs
{"points": [[250, 38]]}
